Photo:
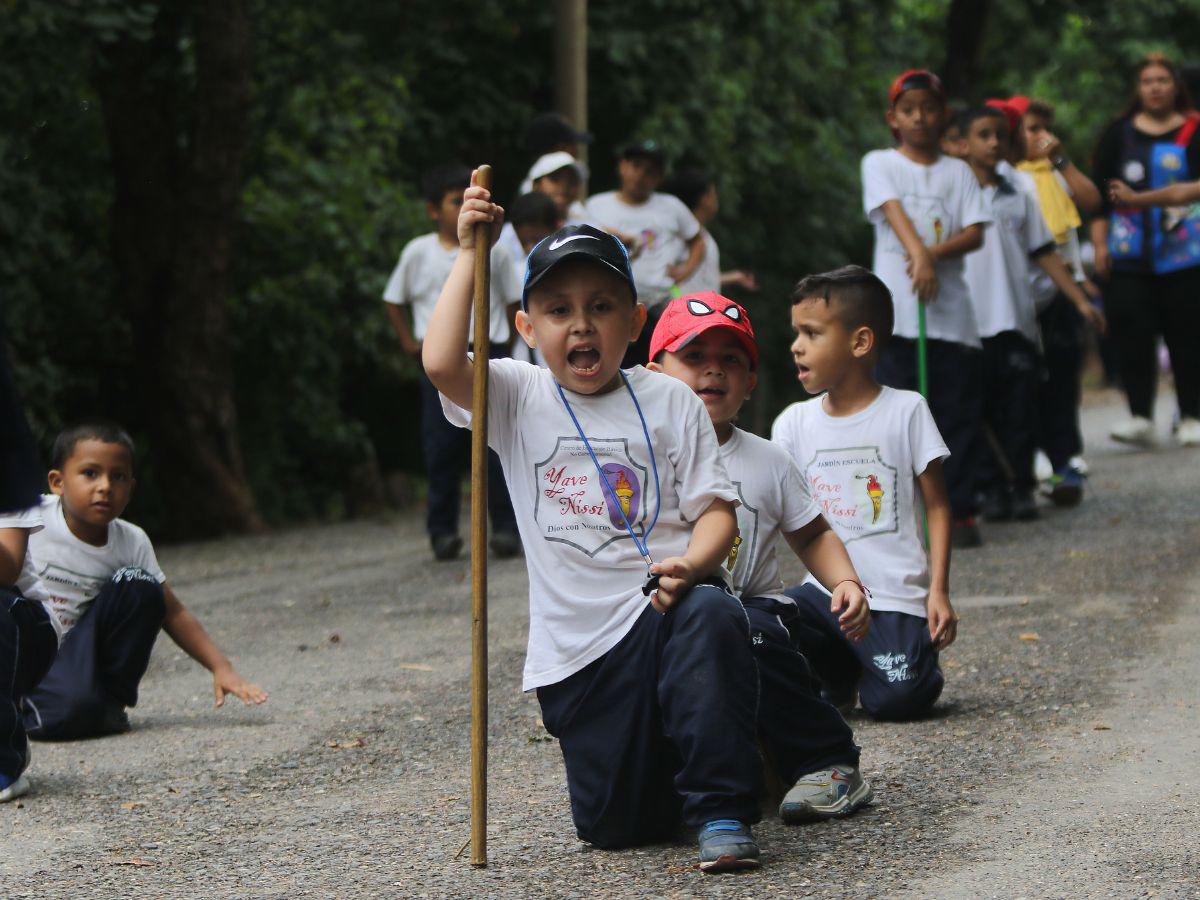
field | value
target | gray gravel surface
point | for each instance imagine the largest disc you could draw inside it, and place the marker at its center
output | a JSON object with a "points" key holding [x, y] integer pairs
{"points": [[1062, 760]]}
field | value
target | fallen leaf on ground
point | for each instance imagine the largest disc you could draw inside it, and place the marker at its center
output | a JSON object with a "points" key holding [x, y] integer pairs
{"points": [[1101, 727], [133, 862], [415, 667], [1030, 636], [133, 804], [335, 638], [345, 745], [448, 799]]}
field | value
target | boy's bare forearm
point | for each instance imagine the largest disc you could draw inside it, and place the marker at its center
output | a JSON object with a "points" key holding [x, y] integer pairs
{"points": [[966, 241], [1084, 192], [712, 538], [823, 553], [1052, 264], [893, 211], [937, 514], [696, 251], [444, 351], [13, 542], [1172, 195], [186, 631]]}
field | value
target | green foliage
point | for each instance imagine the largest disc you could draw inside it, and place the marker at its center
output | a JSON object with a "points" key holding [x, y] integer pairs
{"points": [[354, 99]]}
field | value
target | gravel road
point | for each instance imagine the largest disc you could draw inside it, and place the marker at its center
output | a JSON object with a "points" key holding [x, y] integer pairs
{"points": [[1062, 760]]}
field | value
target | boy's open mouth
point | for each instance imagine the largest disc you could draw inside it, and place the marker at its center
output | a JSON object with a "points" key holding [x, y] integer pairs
{"points": [[802, 371], [711, 392], [584, 360]]}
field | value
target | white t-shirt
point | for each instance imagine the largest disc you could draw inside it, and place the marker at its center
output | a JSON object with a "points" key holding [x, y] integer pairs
{"points": [[66, 574], [1045, 290], [424, 267], [664, 226], [585, 574], [941, 200], [774, 500], [707, 276], [862, 471], [998, 272], [27, 582]]}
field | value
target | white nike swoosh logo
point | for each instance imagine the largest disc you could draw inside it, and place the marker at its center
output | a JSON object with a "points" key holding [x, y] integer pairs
{"points": [[554, 245]]}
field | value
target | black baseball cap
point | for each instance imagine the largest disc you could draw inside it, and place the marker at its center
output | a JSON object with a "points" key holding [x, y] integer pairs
{"points": [[648, 149], [576, 242], [550, 130]]}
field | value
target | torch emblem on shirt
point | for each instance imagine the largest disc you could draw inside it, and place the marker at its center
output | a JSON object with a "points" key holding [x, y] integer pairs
{"points": [[875, 492], [625, 488]]}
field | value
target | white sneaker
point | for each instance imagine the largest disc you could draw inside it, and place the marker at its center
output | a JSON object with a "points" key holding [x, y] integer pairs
{"points": [[825, 794], [1188, 433], [18, 788], [1137, 430], [1079, 464]]}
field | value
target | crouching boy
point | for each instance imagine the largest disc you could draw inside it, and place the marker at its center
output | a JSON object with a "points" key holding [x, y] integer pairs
{"points": [[872, 457], [99, 578], [707, 342], [652, 697]]}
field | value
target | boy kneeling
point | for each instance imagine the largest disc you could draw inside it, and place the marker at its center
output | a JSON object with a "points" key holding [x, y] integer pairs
{"points": [[653, 701]]}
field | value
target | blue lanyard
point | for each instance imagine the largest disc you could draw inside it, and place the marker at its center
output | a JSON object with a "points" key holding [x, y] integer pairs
{"points": [[641, 544]]}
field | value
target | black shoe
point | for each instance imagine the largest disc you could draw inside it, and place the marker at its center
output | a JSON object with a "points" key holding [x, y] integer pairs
{"points": [[506, 544], [446, 546], [1024, 506], [114, 720], [964, 533], [997, 505]]}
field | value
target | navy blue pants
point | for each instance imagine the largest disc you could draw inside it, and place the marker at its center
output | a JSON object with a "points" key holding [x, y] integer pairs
{"points": [[895, 667], [101, 661], [27, 645], [1011, 376], [447, 451], [662, 727], [1059, 392], [956, 401]]}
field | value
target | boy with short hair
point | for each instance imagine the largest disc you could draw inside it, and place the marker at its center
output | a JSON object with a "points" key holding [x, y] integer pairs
{"points": [[872, 457], [532, 218], [698, 193], [98, 577], [707, 342], [653, 701], [928, 213], [424, 264], [998, 277]]}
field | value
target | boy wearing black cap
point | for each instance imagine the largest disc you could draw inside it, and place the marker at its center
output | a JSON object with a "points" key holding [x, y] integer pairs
{"points": [[661, 234], [928, 212], [652, 700]]}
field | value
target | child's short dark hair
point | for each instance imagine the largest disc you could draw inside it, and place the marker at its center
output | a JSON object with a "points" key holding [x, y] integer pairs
{"points": [[858, 296], [534, 208], [1041, 108], [689, 185], [445, 178], [69, 438], [972, 114]]}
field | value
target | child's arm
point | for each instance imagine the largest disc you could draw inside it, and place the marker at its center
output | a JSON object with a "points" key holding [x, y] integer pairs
{"points": [[920, 260], [943, 623], [1098, 231], [712, 537], [444, 353], [970, 238], [683, 271], [1180, 194], [13, 542], [398, 316], [824, 554], [1053, 266], [186, 631]]}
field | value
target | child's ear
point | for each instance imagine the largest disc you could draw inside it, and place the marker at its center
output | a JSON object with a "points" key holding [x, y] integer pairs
{"points": [[638, 323], [431, 211], [862, 341], [751, 384], [890, 117], [525, 327], [55, 480], [653, 366]]}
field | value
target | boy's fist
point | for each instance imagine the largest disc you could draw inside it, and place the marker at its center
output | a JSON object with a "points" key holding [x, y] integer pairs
{"points": [[676, 578], [477, 208], [855, 619]]}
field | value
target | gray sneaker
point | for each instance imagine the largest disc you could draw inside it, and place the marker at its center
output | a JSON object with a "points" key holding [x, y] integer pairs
{"points": [[826, 794], [19, 787]]}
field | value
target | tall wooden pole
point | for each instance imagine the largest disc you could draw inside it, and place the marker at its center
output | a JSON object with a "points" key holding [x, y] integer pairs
{"points": [[479, 474], [570, 64]]}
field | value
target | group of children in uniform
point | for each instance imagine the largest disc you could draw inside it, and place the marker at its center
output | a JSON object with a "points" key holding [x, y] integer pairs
{"points": [[669, 658]]}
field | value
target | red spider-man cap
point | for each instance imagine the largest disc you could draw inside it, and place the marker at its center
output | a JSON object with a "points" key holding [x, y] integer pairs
{"points": [[1014, 108], [915, 79], [692, 314]]}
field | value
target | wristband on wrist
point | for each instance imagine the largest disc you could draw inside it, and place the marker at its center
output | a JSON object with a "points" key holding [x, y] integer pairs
{"points": [[861, 586], [1059, 161]]}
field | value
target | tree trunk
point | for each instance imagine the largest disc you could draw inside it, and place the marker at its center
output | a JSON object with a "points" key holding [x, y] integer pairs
{"points": [[966, 24], [177, 189]]}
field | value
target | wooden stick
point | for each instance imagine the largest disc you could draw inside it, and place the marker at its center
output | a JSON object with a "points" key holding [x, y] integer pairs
{"points": [[479, 513]]}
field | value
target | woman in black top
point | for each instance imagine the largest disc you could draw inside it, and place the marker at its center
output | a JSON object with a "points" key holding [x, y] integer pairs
{"points": [[1151, 258]]}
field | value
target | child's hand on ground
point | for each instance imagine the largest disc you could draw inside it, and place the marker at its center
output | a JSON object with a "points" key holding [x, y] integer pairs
{"points": [[943, 622], [478, 207], [850, 600], [1119, 192], [227, 681], [677, 579], [923, 272]]}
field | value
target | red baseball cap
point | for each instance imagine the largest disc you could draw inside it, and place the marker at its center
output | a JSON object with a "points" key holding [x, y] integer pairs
{"points": [[693, 314], [1014, 109], [915, 79]]}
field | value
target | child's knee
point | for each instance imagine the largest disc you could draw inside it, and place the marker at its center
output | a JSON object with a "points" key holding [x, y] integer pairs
{"points": [[904, 700], [142, 589], [708, 606]]}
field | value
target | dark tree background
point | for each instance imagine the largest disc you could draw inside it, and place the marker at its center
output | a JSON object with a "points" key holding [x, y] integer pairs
{"points": [[200, 201]]}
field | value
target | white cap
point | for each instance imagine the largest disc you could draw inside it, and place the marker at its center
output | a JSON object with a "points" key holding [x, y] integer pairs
{"points": [[552, 162]]}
